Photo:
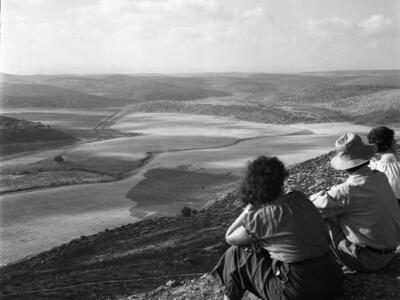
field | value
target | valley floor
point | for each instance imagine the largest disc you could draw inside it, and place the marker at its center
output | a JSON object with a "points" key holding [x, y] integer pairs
{"points": [[129, 261], [188, 158]]}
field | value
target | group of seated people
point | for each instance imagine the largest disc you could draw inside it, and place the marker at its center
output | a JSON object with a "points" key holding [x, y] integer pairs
{"points": [[290, 246]]}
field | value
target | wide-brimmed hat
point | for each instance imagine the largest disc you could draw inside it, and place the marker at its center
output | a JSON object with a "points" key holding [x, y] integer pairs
{"points": [[351, 152]]}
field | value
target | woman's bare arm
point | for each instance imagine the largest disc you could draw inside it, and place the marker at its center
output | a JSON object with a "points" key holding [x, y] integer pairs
{"points": [[236, 234]]}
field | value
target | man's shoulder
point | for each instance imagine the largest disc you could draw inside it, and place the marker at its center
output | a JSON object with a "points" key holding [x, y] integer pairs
{"points": [[369, 177]]}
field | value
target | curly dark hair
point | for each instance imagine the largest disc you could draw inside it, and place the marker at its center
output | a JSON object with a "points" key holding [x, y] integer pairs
{"points": [[263, 181], [382, 137]]}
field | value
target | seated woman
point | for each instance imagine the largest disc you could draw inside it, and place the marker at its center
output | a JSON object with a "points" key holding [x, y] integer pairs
{"points": [[280, 243], [388, 163]]}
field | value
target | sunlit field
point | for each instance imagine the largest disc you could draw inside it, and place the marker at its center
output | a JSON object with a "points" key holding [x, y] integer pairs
{"points": [[192, 157]]}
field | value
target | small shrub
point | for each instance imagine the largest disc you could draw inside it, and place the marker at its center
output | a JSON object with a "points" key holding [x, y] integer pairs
{"points": [[58, 159], [186, 211]]}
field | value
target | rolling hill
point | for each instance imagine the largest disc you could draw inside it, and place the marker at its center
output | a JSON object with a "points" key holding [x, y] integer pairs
{"points": [[20, 135], [270, 98], [104, 91], [29, 95]]}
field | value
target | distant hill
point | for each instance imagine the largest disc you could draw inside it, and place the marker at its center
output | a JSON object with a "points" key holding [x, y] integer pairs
{"points": [[99, 91], [269, 98], [379, 117], [19, 135], [30, 95]]}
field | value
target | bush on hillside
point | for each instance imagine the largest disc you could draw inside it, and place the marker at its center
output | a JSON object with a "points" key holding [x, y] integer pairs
{"points": [[58, 159], [186, 211]]}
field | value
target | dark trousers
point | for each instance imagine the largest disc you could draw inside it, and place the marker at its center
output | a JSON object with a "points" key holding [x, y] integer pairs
{"points": [[354, 257], [241, 269]]}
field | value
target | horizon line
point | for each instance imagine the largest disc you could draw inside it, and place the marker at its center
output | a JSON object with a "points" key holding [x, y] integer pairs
{"points": [[193, 73]]}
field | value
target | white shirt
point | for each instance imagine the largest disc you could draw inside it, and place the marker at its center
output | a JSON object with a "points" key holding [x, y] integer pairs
{"points": [[392, 171], [365, 207]]}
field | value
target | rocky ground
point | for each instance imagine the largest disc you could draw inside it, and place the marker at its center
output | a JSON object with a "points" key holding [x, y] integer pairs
{"points": [[166, 258], [382, 285]]}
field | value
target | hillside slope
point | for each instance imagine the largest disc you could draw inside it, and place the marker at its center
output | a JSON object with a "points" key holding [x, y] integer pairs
{"points": [[21, 135], [21, 131], [126, 262]]}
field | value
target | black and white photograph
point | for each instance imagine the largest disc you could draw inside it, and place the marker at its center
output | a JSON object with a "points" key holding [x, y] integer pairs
{"points": [[200, 149]]}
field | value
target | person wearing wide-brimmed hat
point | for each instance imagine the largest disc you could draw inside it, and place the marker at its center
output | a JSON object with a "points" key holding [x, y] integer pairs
{"points": [[362, 213]]}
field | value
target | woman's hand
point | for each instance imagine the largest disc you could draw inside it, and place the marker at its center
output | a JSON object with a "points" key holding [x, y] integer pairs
{"points": [[317, 195]]}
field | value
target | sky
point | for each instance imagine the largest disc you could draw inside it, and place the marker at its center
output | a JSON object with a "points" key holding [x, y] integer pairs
{"points": [[185, 36]]}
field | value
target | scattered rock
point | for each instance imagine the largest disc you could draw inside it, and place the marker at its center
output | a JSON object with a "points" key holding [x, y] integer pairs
{"points": [[188, 260], [172, 283]]}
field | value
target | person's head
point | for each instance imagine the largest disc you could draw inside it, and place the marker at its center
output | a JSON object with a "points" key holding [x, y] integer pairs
{"points": [[383, 138], [263, 181], [351, 152]]}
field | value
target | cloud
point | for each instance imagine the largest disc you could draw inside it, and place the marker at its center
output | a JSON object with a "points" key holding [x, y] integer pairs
{"points": [[25, 3], [36, 2], [154, 6], [111, 7], [329, 27], [178, 33], [256, 12], [102, 8], [185, 33], [345, 35], [376, 24]]}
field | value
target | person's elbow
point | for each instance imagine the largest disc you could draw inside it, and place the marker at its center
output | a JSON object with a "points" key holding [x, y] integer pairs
{"points": [[238, 237], [230, 240]]}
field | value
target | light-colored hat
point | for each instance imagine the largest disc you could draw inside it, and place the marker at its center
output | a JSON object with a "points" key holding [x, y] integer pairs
{"points": [[351, 152]]}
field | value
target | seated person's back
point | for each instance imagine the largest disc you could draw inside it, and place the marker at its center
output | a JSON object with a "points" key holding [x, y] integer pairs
{"points": [[280, 242], [366, 209], [362, 213], [290, 228]]}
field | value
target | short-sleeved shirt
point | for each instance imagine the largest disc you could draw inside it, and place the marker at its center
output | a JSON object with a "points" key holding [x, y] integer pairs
{"points": [[366, 209], [290, 228], [392, 171]]}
